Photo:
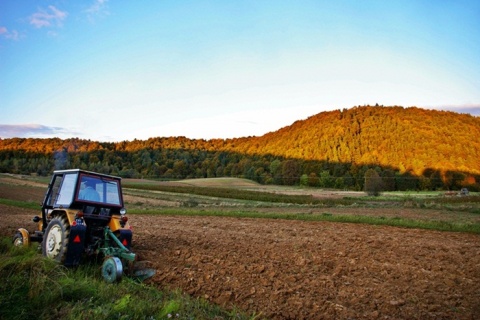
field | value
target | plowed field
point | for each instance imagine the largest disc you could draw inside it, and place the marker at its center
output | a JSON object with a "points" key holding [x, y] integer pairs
{"points": [[306, 270]]}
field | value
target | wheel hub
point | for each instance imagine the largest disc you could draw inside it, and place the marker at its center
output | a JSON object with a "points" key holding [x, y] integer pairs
{"points": [[54, 242]]}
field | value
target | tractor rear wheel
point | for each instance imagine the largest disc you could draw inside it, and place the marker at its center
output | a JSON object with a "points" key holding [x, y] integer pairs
{"points": [[55, 241]]}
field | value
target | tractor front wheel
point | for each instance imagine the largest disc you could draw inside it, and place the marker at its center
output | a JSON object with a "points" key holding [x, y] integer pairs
{"points": [[55, 241], [21, 238]]}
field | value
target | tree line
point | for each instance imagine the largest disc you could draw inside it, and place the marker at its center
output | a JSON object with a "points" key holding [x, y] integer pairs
{"points": [[172, 164], [408, 148]]}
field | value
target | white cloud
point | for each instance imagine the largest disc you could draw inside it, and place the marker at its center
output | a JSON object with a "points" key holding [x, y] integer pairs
{"points": [[33, 131], [48, 18], [98, 8], [473, 109], [12, 35]]}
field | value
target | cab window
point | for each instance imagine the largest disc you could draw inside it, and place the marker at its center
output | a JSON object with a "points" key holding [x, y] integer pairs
{"points": [[67, 188], [99, 189]]}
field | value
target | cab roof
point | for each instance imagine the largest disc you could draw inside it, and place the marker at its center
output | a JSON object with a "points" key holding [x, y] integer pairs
{"points": [[87, 172]]}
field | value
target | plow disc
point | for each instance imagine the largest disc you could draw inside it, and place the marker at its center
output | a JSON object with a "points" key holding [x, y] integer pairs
{"points": [[113, 268], [140, 271]]}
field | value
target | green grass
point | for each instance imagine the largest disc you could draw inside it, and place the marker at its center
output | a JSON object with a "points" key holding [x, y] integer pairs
{"points": [[34, 287], [394, 221], [20, 204], [230, 193], [190, 206], [391, 199], [227, 197]]}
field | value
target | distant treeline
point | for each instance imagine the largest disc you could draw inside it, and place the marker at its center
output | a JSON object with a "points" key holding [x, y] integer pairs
{"points": [[410, 149]]}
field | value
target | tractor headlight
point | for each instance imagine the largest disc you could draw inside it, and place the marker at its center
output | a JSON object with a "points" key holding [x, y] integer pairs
{"points": [[123, 218]]}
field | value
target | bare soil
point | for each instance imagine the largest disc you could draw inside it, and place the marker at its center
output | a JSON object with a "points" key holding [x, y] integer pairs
{"points": [[303, 270]]}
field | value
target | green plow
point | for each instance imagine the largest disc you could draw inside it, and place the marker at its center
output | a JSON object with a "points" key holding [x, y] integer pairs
{"points": [[120, 260]]}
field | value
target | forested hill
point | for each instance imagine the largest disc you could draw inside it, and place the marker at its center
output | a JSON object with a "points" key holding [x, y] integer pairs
{"points": [[336, 146], [411, 139]]}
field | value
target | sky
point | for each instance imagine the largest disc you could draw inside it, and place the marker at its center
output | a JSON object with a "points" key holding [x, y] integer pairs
{"points": [[110, 70]]}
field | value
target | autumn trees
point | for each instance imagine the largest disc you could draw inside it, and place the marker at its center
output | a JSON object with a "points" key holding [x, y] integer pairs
{"points": [[409, 149]]}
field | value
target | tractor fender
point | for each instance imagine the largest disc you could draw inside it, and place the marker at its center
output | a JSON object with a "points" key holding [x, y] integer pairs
{"points": [[67, 213], [76, 238], [116, 225], [76, 243], [125, 237]]}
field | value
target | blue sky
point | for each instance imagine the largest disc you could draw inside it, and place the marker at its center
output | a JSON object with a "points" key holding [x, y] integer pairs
{"points": [[110, 70]]}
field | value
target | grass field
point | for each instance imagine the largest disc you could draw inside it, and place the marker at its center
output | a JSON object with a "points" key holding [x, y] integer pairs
{"points": [[245, 198]]}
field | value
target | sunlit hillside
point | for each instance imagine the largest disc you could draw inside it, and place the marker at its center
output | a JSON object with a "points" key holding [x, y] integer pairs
{"points": [[403, 138], [411, 147]]}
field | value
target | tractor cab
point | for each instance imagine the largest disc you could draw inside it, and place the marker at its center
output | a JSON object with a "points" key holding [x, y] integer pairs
{"points": [[97, 196], [87, 191]]}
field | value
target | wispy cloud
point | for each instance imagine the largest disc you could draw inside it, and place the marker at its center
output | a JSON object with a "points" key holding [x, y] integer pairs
{"points": [[52, 17], [33, 131], [98, 8], [12, 35], [473, 109]]}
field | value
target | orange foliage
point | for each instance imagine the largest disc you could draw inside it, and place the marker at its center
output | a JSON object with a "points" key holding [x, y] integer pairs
{"points": [[405, 139]]}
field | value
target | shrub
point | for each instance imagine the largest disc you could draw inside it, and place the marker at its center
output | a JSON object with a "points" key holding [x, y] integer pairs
{"points": [[373, 183]]}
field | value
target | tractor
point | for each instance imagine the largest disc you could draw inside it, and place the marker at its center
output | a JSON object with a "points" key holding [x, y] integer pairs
{"points": [[83, 216]]}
